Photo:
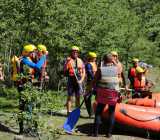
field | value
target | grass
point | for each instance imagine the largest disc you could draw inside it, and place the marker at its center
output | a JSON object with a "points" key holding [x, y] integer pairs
{"points": [[8, 104]]}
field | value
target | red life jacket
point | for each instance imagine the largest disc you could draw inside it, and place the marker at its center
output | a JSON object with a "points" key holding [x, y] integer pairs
{"points": [[132, 72], [70, 65], [139, 84]]}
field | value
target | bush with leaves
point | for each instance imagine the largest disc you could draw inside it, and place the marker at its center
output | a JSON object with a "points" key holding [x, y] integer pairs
{"points": [[31, 98], [37, 105]]}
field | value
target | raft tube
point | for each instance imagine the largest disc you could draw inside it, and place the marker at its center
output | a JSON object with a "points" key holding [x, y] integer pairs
{"points": [[156, 96], [154, 102], [144, 102], [146, 118]]}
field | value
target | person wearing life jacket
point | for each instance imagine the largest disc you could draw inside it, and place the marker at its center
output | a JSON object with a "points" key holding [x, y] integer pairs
{"points": [[132, 71], [43, 76], [26, 66], [16, 66], [141, 85], [91, 68], [74, 70], [107, 86], [121, 76]]}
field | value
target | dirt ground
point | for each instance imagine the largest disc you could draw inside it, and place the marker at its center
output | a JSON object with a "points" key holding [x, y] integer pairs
{"points": [[83, 127]]}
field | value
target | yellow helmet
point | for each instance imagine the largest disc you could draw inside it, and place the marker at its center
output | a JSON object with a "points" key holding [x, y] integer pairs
{"points": [[35, 48], [41, 47], [29, 48], [135, 60], [139, 70], [114, 53], [92, 55], [75, 48]]}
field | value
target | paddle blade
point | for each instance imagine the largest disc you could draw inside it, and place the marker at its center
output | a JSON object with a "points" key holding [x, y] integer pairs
{"points": [[71, 120]]}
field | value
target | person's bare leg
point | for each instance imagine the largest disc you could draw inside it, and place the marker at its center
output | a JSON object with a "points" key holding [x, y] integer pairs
{"points": [[69, 104]]}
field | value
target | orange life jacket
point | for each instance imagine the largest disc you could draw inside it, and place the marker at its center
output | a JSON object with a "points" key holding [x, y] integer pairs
{"points": [[71, 64], [94, 67], [139, 84]]}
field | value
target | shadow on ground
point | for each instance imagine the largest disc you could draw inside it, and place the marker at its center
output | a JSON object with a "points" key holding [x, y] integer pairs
{"points": [[62, 114], [119, 129], [4, 128]]}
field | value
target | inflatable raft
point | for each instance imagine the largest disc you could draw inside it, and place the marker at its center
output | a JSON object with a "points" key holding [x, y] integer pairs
{"points": [[147, 118], [156, 96], [154, 102], [145, 102]]}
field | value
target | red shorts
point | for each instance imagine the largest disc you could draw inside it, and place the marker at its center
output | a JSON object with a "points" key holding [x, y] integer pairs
{"points": [[107, 96]]}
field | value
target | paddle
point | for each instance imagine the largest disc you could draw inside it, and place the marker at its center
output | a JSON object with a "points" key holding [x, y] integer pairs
{"points": [[88, 103], [75, 114], [72, 119]]}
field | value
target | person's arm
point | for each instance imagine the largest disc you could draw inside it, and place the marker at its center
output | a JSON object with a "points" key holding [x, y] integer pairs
{"points": [[83, 75], [1, 75], [65, 67], [37, 65]]}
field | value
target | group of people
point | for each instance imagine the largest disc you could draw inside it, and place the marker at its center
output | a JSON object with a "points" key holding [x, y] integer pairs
{"points": [[29, 68], [105, 80], [137, 80]]}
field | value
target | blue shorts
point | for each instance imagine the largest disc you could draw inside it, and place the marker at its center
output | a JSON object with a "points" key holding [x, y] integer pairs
{"points": [[73, 88]]}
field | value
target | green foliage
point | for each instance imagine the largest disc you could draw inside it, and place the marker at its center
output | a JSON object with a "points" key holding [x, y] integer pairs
{"points": [[37, 102], [6, 104], [45, 104], [9, 93]]}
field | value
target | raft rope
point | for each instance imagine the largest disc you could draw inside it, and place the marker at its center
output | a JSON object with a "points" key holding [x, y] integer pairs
{"points": [[123, 111]]}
